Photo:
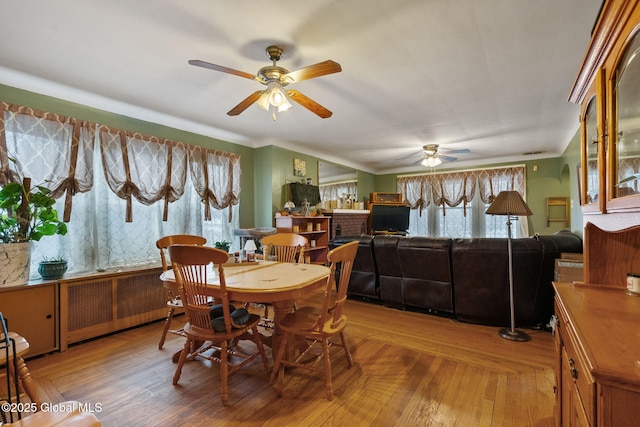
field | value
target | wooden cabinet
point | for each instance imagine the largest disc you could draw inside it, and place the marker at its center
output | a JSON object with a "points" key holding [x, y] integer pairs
{"points": [[314, 228], [607, 90], [32, 311], [598, 353]]}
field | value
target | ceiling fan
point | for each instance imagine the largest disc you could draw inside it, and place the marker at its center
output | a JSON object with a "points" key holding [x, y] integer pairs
{"points": [[432, 156], [275, 97]]}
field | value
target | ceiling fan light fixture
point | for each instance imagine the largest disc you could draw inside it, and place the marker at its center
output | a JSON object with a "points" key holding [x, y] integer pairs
{"points": [[274, 95], [431, 162]]}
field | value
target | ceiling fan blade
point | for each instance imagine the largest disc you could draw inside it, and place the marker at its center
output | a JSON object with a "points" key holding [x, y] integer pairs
{"points": [[245, 103], [309, 104], [447, 158], [312, 71], [227, 70], [458, 151]]}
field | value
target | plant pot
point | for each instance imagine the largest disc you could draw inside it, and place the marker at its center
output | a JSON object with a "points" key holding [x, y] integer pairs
{"points": [[15, 260], [52, 269]]}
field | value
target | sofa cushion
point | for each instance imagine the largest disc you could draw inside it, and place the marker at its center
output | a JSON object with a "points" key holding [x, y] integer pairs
{"points": [[425, 264], [363, 281], [481, 280], [385, 249]]}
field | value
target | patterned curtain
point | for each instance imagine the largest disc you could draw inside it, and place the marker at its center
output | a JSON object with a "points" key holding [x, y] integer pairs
{"points": [[216, 177], [416, 191], [453, 188], [493, 181], [56, 152], [145, 167], [335, 191]]}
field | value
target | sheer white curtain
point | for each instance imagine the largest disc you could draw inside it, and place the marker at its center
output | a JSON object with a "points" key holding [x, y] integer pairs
{"points": [[459, 202], [142, 179], [336, 190]]}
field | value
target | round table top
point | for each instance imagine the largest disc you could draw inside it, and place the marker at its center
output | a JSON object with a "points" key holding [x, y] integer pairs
{"points": [[267, 281]]}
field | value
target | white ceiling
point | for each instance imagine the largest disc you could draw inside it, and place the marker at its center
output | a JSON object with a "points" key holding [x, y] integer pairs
{"points": [[491, 76]]}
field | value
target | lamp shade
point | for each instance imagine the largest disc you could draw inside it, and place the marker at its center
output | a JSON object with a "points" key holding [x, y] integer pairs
{"points": [[431, 161], [250, 245], [509, 203]]}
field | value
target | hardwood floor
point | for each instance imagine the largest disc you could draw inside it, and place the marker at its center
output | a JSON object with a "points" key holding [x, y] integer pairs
{"points": [[411, 369]]}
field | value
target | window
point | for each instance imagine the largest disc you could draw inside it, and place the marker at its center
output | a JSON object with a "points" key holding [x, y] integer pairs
{"points": [[453, 204], [117, 213]]}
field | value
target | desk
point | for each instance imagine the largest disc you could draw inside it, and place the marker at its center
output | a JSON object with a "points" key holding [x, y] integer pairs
{"points": [[269, 281]]}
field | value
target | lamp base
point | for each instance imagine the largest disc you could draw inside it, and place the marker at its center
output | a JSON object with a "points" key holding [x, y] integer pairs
{"points": [[514, 335]]}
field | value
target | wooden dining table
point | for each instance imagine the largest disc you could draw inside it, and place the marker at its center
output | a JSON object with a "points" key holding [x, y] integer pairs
{"points": [[278, 283]]}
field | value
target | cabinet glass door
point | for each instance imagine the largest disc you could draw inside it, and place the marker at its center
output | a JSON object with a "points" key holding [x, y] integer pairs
{"points": [[626, 173], [592, 184]]}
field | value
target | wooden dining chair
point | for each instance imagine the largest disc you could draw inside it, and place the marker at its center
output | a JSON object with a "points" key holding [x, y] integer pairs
{"points": [[173, 296], [286, 247], [218, 324], [319, 325]]}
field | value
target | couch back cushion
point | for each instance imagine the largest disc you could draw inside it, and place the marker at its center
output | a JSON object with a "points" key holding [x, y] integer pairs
{"points": [[481, 278], [364, 278], [425, 264], [385, 249]]}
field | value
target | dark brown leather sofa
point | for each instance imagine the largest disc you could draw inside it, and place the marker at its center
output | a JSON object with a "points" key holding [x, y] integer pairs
{"points": [[463, 278]]}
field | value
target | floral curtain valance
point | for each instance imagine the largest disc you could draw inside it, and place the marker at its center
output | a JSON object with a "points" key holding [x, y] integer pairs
{"points": [[453, 188], [138, 166], [54, 151], [216, 177], [336, 190]]}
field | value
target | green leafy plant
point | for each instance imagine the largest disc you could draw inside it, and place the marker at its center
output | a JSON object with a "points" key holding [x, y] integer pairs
{"points": [[53, 260], [27, 213], [224, 245]]}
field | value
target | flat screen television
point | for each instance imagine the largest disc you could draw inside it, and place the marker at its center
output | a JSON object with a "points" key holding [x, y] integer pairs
{"points": [[391, 219]]}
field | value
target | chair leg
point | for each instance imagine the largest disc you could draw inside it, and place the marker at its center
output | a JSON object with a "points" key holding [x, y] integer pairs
{"points": [[25, 381], [183, 356], [165, 329], [258, 341], [278, 368], [345, 346], [224, 372], [326, 359]]}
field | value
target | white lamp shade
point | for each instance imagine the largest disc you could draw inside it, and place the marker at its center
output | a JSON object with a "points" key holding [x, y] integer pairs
{"points": [[250, 246], [431, 161]]}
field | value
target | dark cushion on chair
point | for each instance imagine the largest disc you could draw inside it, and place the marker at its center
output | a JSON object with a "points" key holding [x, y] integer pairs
{"points": [[239, 315]]}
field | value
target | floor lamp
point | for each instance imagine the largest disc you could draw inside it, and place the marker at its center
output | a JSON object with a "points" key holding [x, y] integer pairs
{"points": [[510, 203]]}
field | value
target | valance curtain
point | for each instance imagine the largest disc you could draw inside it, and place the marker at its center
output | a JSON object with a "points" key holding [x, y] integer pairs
{"points": [[55, 151], [105, 169], [452, 189], [416, 191], [147, 168], [336, 190], [216, 177]]}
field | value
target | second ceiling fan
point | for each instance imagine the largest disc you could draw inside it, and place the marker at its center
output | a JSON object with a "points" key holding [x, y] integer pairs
{"points": [[432, 157], [276, 97]]}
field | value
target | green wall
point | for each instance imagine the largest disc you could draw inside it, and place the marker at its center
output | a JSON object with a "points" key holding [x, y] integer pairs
{"points": [[267, 171], [551, 179], [66, 108]]}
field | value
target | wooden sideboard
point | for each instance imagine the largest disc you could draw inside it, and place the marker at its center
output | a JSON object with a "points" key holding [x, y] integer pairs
{"points": [[598, 356]]}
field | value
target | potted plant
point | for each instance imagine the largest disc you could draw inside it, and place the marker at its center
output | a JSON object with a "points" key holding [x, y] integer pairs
{"points": [[26, 214], [224, 245], [52, 268]]}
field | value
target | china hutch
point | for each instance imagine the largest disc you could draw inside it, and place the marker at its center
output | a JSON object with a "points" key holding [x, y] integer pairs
{"points": [[597, 346]]}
